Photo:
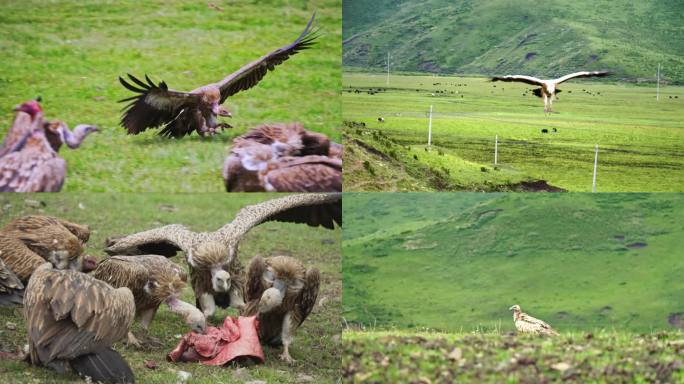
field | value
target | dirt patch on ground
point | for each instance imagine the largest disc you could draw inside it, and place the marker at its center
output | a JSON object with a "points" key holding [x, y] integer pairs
{"points": [[535, 186], [676, 319], [413, 244], [488, 213], [636, 245]]}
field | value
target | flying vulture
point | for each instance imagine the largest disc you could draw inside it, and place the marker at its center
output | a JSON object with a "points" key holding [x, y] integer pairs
{"points": [[154, 280], [28, 158], [548, 88], [181, 112], [72, 321], [11, 288], [216, 273], [283, 158], [525, 323], [282, 293]]}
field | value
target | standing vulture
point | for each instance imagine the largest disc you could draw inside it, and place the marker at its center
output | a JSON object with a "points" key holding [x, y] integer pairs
{"points": [[72, 321], [282, 293], [181, 112], [525, 323], [548, 88], [154, 280], [283, 158], [215, 271], [11, 288], [31, 163]]}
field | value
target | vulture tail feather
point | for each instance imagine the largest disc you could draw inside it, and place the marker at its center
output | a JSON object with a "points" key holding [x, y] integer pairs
{"points": [[105, 365], [139, 82], [129, 86], [12, 300]]}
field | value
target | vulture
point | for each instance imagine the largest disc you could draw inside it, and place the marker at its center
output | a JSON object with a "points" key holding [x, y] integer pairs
{"points": [[55, 240], [216, 274], [11, 288], [548, 88], [181, 112], [73, 319], [282, 293], [283, 158], [525, 323], [154, 280], [28, 159]]}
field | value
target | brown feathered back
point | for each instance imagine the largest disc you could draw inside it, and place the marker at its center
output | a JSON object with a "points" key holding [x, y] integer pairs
{"points": [[18, 257], [44, 234]]}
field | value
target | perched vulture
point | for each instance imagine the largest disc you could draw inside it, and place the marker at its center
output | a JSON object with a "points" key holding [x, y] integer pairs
{"points": [[31, 163], [548, 88], [72, 321], [181, 113], [525, 323], [55, 240], [216, 273], [283, 158], [282, 293], [11, 288], [154, 280], [27, 113]]}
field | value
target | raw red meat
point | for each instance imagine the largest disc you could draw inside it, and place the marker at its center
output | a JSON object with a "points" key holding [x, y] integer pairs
{"points": [[234, 339]]}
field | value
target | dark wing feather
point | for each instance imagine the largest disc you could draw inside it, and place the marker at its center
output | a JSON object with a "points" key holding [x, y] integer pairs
{"points": [[154, 105], [164, 241], [308, 295], [313, 209], [519, 78], [255, 272], [250, 74], [11, 288]]}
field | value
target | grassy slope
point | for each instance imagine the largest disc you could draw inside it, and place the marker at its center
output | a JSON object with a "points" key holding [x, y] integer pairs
{"points": [[496, 36], [601, 357], [316, 345], [456, 262], [639, 138], [71, 54]]}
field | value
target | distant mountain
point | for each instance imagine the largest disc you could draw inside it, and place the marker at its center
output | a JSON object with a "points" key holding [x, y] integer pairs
{"points": [[488, 37]]}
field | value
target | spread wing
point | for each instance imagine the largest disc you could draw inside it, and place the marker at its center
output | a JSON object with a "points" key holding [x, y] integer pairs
{"points": [[154, 105], [20, 129], [34, 168], [164, 241], [313, 209], [11, 288], [69, 313], [519, 78], [305, 174], [250, 74], [581, 74]]}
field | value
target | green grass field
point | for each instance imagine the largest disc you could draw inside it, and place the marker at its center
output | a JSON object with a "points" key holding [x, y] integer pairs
{"points": [[317, 343], [71, 53], [591, 357], [640, 140], [456, 262]]}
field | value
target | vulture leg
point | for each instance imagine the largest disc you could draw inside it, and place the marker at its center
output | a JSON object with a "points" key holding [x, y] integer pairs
{"points": [[207, 304], [237, 300], [146, 318], [132, 340], [546, 103], [286, 336]]}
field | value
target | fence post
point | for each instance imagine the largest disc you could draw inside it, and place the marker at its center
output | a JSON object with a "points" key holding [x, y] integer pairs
{"points": [[496, 150], [430, 128], [593, 182]]}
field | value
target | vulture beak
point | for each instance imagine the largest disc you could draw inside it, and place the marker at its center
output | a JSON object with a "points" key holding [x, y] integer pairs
{"points": [[224, 112]]}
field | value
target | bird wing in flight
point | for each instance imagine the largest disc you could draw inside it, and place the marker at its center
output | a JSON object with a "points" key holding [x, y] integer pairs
{"points": [[164, 241], [155, 105], [519, 78], [313, 209], [250, 74], [581, 74]]}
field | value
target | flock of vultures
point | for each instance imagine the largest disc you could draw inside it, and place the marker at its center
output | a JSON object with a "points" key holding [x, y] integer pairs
{"points": [[281, 157], [75, 308]]}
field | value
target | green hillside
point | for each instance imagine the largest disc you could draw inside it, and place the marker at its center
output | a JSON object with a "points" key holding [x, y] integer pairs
{"points": [[500, 36], [458, 261]]}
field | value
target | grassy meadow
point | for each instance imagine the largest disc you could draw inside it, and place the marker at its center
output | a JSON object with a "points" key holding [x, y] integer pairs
{"points": [[456, 262], [317, 343], [71, 53], [640, 139]]}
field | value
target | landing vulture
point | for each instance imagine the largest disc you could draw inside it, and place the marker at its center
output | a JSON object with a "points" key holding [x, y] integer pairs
{"points": [[525, 323], [216, 273], [548, 88], [282, 293], [11, 288], [72, 321], [283, 158], [181, 113], [154, 280]]}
